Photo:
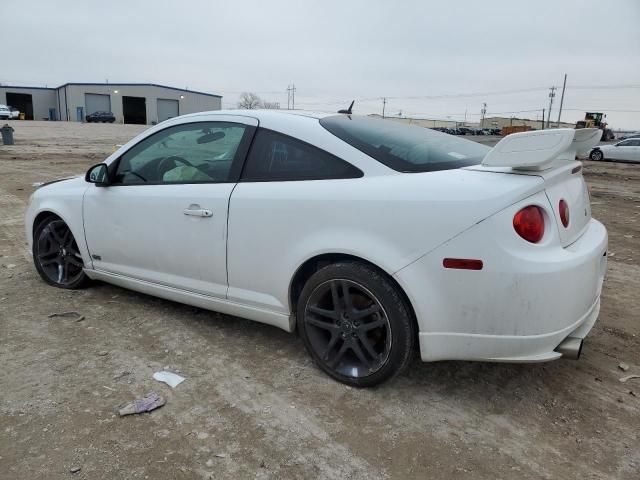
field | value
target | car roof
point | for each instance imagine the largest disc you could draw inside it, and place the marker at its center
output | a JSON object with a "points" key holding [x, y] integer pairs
{"points": [[265, 114]]}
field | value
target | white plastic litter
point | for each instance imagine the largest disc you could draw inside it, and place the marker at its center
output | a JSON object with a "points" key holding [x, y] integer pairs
{"points": [[171, 379]]}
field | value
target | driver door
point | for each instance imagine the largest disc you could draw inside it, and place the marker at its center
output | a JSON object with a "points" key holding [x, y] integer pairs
{"points": [[163, 216]]}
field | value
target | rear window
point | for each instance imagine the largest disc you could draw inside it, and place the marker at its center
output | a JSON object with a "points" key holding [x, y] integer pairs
{"points": [[405, 148]]}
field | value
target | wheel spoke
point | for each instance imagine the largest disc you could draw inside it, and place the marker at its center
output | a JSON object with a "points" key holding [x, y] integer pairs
{"points": [[55, 235], [324, 312], [371, 325], [366, 342], [346, 296], [360, 354], [53, 249], [334, 361], [44, 255], [73, 249], [74, 261], [49, 261], [332, 343], [358, 314], [320, 324], [335, 297], [60, 272], [65, 237]]}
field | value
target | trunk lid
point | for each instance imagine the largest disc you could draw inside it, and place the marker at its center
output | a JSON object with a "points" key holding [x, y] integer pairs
{"points": [[567, 183], [562, 182]]}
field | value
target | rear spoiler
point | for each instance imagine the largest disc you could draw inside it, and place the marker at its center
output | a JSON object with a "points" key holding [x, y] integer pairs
{"points": [[537, 150]]}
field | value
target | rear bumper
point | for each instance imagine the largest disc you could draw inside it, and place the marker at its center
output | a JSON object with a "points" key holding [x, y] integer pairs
{"points": [[519, 307], [504, 348]]}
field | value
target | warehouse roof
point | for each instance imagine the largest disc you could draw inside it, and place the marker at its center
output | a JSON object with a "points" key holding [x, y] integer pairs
{"points": [[114, 84]]}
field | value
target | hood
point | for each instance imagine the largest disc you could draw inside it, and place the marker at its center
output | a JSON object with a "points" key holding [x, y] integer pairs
{"points": [[66, 181]]}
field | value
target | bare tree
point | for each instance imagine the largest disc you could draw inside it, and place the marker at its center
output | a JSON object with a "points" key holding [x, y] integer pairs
{"points": [[249, 101]]}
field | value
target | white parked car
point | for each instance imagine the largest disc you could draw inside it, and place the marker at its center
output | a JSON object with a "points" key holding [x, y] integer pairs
{"points": [[14, 113], [625, 151], [366, 236], [5, 112]]}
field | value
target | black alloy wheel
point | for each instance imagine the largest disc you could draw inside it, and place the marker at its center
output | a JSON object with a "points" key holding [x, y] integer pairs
{"points": [[355, 324], [56, 255], [596, 155]]}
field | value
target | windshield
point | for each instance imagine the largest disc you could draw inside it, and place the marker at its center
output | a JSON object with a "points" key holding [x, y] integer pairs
{"points": [[405, 148]]}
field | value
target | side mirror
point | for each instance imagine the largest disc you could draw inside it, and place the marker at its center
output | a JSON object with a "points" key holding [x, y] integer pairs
{"points": [[98, 174]]}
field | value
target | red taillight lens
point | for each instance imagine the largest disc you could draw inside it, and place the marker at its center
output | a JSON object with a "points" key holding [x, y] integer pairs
{"points": [[529, 223], [563, 207]]}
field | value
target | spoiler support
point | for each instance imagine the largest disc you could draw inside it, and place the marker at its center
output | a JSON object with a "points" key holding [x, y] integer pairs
{"points": [[537, 150]]}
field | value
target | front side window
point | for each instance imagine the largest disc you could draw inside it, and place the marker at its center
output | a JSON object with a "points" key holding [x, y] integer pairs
{"points": [[278, 157], [405, 148], [200, 152]]}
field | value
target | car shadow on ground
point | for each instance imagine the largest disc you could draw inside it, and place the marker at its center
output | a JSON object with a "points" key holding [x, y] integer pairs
{"points": [[443, 379]]}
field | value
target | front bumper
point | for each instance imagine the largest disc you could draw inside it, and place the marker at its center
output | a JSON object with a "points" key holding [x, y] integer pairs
{"points": [[519, 307]]}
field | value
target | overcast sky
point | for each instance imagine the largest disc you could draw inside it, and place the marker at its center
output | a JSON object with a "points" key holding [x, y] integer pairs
{"points": [[335, 51]]}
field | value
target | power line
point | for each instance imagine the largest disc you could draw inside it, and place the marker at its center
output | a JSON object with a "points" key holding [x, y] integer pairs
{"points": [[607, 110], [603, 87]]}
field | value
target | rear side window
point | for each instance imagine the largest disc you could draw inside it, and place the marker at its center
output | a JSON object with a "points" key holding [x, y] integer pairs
{"points": [[278, 157], [405, 148]]}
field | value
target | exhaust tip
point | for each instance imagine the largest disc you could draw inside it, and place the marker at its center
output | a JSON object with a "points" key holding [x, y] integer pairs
{"points": [[570, 347]]}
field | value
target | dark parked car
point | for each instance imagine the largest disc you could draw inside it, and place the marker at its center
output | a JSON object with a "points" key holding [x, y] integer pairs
{"points": [[102, 117], [633, 135]]}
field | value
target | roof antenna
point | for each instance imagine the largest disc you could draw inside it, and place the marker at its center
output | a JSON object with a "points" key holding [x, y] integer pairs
{"points": [[348, 110]]}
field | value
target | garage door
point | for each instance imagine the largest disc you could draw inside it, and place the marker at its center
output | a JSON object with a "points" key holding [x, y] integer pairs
{"points": [[167, 109], [95, 102]]}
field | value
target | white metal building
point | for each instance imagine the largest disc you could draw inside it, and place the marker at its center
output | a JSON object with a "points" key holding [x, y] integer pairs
{"points": [[143, 103]]}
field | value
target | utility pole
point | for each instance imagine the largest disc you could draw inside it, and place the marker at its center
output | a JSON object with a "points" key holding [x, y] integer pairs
{"points": [[552, 94], [384, 103], [483, 112], [543, 119], [564, 85], [291, 97]]}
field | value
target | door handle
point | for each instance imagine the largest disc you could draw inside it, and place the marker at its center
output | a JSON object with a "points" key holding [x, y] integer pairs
{"points": [[200, 212]]}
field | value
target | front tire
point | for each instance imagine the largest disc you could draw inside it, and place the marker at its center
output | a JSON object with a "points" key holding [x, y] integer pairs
{"points": [[596, 155], [355, 324], [56, 255]]}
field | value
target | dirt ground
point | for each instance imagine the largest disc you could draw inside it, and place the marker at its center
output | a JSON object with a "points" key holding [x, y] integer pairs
{"points": [[254, 405]]}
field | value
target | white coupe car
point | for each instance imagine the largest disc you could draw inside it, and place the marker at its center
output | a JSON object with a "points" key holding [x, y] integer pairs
{"points": [[624, 151], [366, 236]]}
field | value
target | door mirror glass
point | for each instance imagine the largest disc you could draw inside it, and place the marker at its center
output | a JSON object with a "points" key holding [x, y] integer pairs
{"points": [[98, 174]]}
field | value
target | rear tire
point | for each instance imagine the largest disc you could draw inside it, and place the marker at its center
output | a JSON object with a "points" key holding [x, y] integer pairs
{"points": [[355, 324], [596, 155], [56, 255]]}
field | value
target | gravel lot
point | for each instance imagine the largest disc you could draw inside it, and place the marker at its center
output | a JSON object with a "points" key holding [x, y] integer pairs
{"points": [[253, 404]]}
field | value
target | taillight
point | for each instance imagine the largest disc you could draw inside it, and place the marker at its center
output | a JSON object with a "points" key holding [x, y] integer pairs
{"points": [[563, 207], [529, 223]]}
